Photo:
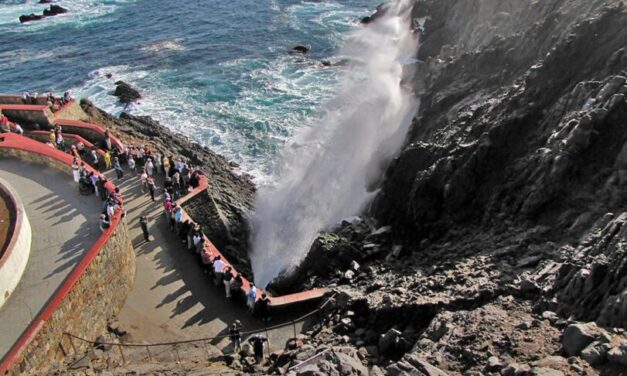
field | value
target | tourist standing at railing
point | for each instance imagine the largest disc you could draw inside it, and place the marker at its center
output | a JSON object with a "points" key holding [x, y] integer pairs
{"points": [[227, 279], [104, 222], [107, 140], [150, 167], [218, 270], [75, 170], [5, 124], [94, 180], [131, 164], [95, 162], [152, 187], [251, 297], [74, 152], [60, 141], [107, 160], [118, 169], [18, 129], [262, 308], [176, 182], [101, 185], [166, 166], [158, 163], [205, 259], [80, 147], [236, 288]]}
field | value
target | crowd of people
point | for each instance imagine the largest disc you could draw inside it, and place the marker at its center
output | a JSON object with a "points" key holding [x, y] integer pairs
{"points": [[52, 102]]}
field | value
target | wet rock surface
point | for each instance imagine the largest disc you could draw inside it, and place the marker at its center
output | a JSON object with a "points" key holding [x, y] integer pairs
{"points": [[125, 92], [497, 242]]}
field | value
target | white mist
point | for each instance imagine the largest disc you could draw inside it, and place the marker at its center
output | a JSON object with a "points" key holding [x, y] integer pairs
{"points": [[326, 173]]}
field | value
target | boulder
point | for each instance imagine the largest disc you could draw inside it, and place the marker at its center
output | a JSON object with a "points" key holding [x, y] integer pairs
{"points": [[30, 17], [515, 369], [494, 364], [577, 336], [54, 10], [300, 49], [125, 93], [414, 365], [545, 371], [388, 341], [618, 354], [595, 353]]}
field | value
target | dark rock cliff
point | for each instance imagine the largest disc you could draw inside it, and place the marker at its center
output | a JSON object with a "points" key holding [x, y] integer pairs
{"points": [[503, 219]]}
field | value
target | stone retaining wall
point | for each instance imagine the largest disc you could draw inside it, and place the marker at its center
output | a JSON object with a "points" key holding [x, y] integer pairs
{"points": [[37, 158], [99, 293]]}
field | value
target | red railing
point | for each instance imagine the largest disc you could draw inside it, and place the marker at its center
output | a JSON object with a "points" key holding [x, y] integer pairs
{"points": [[275, 301]]}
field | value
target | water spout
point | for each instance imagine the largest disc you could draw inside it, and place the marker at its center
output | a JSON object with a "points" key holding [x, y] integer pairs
{"points": [[328, 172]]}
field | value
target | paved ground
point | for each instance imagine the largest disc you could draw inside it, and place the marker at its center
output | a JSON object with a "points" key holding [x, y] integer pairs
{"points": [[64, 225], [172, 298]]}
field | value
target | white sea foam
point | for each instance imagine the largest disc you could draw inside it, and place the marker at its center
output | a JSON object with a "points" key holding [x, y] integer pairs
{"points": [[326, 172], [164, 46]]}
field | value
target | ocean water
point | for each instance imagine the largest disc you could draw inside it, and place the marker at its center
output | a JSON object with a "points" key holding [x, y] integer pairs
{"points": [[217, 71]]}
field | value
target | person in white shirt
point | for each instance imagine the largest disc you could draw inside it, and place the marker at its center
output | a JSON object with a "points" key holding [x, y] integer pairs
{"points": [[218, 270], [251, 297]]}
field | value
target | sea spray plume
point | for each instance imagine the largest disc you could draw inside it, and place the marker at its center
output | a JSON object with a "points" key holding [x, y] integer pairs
{"points": [[326, 177]]}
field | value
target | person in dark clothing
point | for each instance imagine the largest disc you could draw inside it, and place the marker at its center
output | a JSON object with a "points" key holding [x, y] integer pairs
{"points": [[227, 279], [151, 187], [258, 341], [236, 336], [262, 307], [143, 222], [236, 288], [100, 184]]}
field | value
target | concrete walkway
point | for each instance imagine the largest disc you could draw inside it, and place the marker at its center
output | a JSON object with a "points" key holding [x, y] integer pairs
{"points": [[172, 298], [64, 226]]}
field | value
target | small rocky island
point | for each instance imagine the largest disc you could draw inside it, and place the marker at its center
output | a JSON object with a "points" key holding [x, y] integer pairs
{"points": [[53, 10]]}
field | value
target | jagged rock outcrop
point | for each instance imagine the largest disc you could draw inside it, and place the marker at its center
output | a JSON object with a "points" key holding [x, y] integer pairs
{"points": [[125, 92]]}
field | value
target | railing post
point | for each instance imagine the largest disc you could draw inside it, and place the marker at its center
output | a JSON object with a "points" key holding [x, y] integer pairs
{"points": [[122, 353], [206, 346], [268, 338], [294, 327], [62, 349], [176, 351], [72, 343]]}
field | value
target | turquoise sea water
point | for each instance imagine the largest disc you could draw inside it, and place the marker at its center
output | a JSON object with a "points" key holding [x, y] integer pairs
{"points": [[217, 71]]}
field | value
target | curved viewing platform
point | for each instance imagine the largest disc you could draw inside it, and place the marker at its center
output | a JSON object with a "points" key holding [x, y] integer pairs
{"points": [[65, 226]]}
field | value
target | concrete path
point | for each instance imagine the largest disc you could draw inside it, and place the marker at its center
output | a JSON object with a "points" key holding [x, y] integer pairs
{"points": [[64, 226], [172, 298]]}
